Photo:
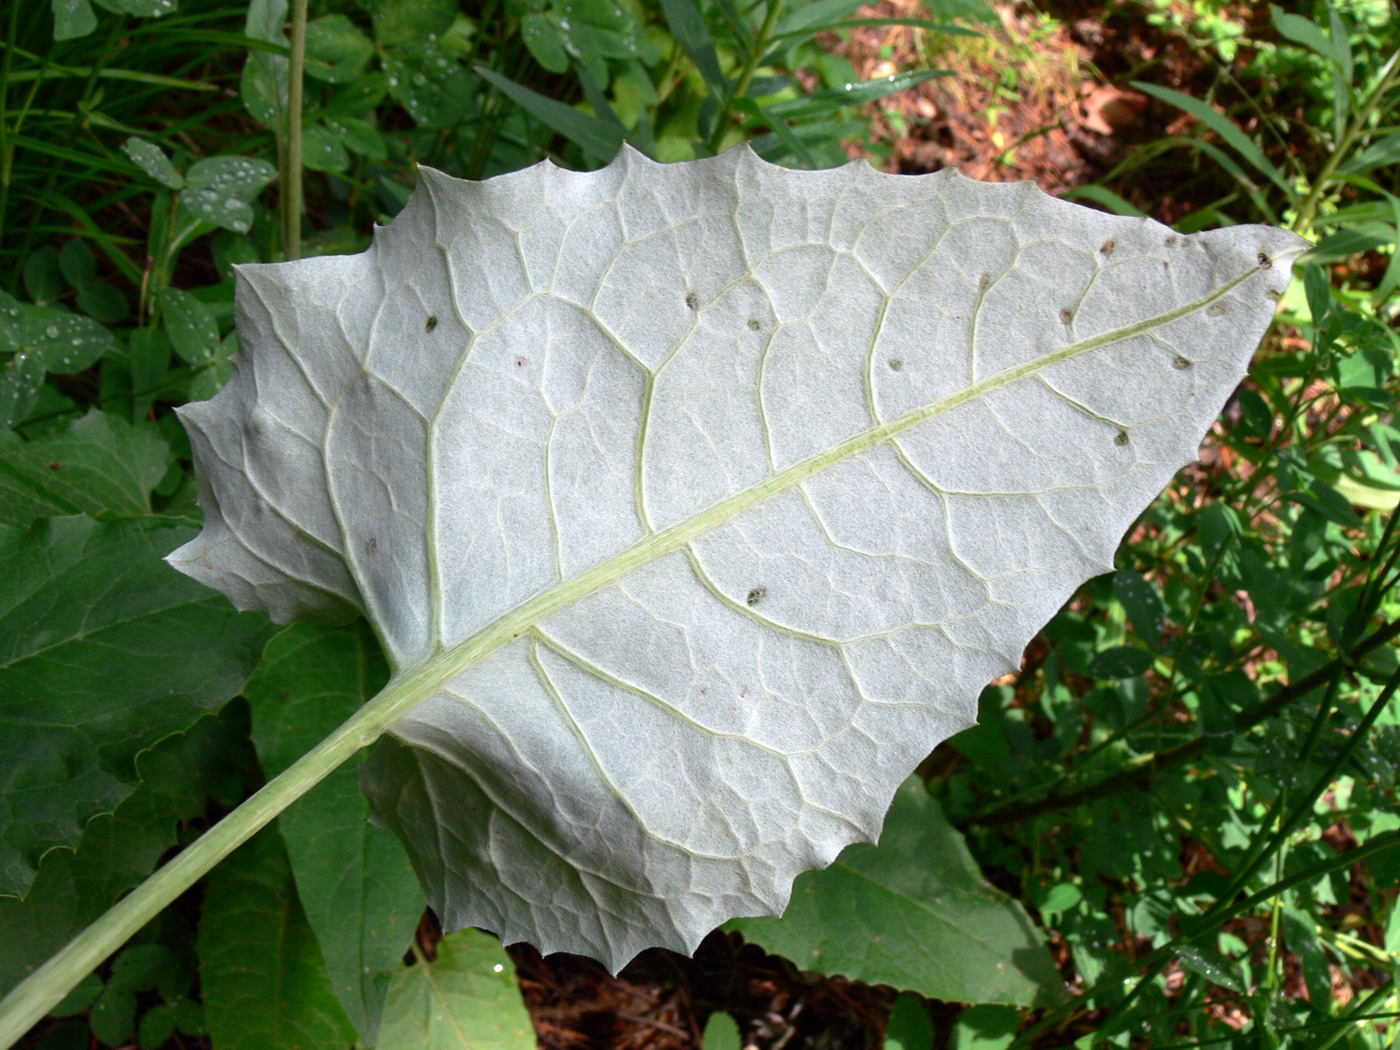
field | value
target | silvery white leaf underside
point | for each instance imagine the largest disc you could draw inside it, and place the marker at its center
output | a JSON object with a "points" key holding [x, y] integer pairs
{"points": [[731, 486]]}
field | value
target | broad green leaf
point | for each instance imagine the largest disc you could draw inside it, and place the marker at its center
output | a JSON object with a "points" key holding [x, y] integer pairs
{"points": [[193, 332], [467, 997], [321, 149], [430, 84], [886, 915], [78, 264], [262, 978], [263, 85], [1144, 606], [545, 40], [405, 22], [698, 502], [72, 19], [121, 848], [909, 1027], [103, 652], [151, 159], [220, 190], [98, 465], [721, 1032], [356, 883], [336, 51], [54, 339]]}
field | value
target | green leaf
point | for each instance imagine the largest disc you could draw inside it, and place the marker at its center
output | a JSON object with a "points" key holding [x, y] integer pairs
{"points": [[103, 652], [151, 159], [1121, 661], [401, 22], [336, 51], [819, 103], [909, 1027], [193, 332], [545, 41], [721, 1032], [220, 190], [465, 998], [263, 85], [262, 977], [43, 276], [1382, 153], [429, 84], [322, 150], [915, 913], [21, 377], [1140, 600], [98, 465], [1221, 125], [985, 1028], [72, 19], [56, 340], [77, 263], [690, 32], [359, 890], [592, 134], [139, 8]]}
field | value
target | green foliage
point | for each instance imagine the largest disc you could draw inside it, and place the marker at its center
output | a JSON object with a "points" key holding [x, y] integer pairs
{"points": [[1190, 790], [886, 915]]}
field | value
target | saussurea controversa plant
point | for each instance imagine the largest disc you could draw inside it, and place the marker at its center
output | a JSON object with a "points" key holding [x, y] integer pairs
{"points": [[692, 504]]}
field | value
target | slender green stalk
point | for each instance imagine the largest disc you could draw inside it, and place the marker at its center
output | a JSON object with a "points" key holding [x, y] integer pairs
{"points": [[29, 1001], [1359, 119], [760, 45], [291, 153]]}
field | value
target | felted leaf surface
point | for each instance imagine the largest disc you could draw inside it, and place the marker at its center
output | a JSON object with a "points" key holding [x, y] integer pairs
{"points": [[892, 914], [700, 500]]}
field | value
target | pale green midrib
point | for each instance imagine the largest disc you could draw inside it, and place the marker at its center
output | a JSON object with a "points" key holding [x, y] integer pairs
{"points": [[418, 682]]}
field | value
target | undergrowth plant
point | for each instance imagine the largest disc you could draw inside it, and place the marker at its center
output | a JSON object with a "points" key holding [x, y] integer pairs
{"points": [[1187, 791]]}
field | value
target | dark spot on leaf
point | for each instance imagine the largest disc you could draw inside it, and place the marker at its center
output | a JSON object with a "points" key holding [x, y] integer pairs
{"points": [[1265, 262], [55, 465], [1171, 240], [692, 300], [431, 323], [1122, 438], [371, 545], [753, 325], [984, 282], [1107, 248], [520, 361], [895, 364], [756, 595], [1180, 363], [1066, 316], [1216, 309]]}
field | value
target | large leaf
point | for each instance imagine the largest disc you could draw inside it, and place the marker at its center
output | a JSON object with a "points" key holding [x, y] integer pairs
{"points": [[892, 914], [103, 652], [699, 501], [99, 465], [262, 978], [355, 881], [121, 848], [465, 999]]}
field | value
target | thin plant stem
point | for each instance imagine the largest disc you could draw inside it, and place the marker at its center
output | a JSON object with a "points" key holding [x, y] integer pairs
{"points": [[1308, 209], [760, 45], [291, 173]]}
